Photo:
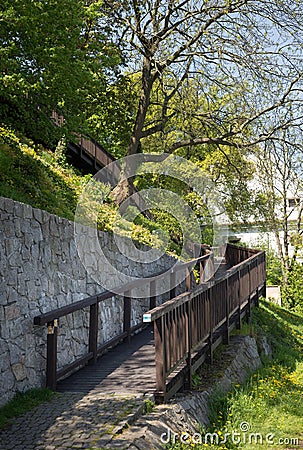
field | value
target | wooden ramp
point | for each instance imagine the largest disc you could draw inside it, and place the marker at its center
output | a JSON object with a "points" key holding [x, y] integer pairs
{"points": [[187, 329], [126, 368]]}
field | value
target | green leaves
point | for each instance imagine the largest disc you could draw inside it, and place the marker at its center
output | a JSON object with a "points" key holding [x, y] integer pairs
{"points": [[53, 57]]}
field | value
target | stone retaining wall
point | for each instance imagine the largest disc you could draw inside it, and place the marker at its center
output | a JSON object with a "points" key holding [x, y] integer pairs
{"points": [[40, 270]]}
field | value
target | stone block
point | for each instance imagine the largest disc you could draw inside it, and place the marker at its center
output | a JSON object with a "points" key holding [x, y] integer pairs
{"points": [[9, 205], [11, 245], [25, 253], [28, 239], [53, 227], [1, 315], [11, 277], [17, 228], [7, 383], [16, 330], [37, 213], [19, 371], [13, 295], [27, 212], [18, 210], [37, 234]]}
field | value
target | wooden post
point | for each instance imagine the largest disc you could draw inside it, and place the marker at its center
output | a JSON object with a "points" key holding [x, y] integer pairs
{"points": [[93, 332], [258, 295], [239, 322], [227, 311], [159, 334], [127, 314], [189, 380], [172, 285], [248, 311], [51, 356], [201, 272], [152, 294], [188, 280], [209, 354]]}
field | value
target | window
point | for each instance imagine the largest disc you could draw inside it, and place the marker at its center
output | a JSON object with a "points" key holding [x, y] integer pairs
{"points": [[293, 202]]}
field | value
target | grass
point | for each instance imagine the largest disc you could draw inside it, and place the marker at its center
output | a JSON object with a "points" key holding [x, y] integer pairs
{"points": [[23, 402], [267, 412], [38, 177]]}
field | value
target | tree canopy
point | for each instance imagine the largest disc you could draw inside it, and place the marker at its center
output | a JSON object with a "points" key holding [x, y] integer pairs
{"points": [[247, 50], [53, 57]]}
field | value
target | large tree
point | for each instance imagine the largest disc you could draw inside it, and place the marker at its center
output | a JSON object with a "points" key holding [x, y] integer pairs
{"points": [[249, 47], [53, 56]]}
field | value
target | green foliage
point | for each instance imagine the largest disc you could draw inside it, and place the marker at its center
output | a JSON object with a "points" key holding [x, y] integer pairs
{"points": [[22, 403], [32, 175], [54, 55], [273, 269], [292, 292], [183, 214], [196, 380], [44, 180], [110, 115], [149, 406]]}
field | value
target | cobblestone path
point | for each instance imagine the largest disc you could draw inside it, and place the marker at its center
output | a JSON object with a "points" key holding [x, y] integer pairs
{"points": [[73, 421]]}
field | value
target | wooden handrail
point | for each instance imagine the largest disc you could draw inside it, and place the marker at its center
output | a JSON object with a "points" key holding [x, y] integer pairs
{"points": [[179, 326], [208, 313], [50, 318], [44, 318]]}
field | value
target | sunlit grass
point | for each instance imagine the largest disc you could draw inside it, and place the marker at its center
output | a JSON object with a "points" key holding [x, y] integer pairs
{"points": [[267, 412]]}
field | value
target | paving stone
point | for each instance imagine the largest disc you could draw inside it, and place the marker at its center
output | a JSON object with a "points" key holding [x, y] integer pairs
{"points": [[70, 421]]}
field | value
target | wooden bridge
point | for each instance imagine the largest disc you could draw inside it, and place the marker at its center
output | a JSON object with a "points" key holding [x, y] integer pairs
{"points": [[176, 337]]}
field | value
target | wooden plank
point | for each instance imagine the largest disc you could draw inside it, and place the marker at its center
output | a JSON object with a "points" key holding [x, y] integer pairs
{"points": [[159, 334], [74, 365], [42, 319], [152, 294], [190, 344]]}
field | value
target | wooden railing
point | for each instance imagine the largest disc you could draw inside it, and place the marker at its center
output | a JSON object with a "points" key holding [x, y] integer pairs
{"points": [[51, 318], [188, 328], [99, 155]]}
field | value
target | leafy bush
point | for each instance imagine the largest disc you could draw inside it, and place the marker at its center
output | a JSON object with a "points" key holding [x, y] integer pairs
{"points": [[292, 293]]}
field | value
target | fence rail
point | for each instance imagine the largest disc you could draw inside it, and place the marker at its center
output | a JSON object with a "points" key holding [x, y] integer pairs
{"points": [[51, 318], [187, 329]]}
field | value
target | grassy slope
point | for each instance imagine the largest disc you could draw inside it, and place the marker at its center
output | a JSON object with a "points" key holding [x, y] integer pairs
{"points": [[271, 402], [41, 178]]}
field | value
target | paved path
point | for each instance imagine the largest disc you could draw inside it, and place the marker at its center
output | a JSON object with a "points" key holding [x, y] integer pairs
{"points": [[92, 405], [73, 421]]}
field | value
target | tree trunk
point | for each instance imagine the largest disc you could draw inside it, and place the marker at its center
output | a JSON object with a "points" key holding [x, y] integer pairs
{"points": [[125, 185]]}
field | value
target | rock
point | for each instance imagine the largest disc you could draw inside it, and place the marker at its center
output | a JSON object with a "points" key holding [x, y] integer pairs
{"points": [[19, 371]]}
